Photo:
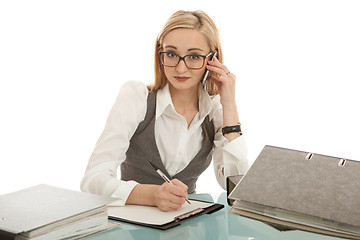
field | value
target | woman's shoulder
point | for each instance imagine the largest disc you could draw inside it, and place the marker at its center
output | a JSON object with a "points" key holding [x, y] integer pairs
{"points": [[135, 86], [216, 110], [134, 90], [215, 102], [215, 98], [132, 94]]}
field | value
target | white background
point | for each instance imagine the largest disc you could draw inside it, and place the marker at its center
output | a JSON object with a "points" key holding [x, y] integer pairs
{"points": [[63, 62]]}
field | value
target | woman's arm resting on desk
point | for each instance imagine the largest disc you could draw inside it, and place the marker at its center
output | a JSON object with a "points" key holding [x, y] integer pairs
{"points": [[166, 197], [101, 173]]}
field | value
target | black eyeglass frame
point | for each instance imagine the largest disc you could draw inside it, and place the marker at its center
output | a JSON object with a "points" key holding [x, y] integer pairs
{"points": [[183, 58]]}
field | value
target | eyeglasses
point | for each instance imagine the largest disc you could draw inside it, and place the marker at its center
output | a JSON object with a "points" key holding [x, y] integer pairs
{"points": [[192, 61]]}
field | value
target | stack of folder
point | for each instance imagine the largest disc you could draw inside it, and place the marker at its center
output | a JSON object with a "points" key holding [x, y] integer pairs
{"points": [[300, 190], [45, 212]]}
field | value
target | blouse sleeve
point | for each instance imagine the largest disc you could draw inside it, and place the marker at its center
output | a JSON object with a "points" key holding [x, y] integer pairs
{"points": [[229, 158], [109, 153]]}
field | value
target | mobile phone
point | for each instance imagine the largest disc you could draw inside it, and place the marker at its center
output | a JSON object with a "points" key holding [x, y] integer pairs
{"points": [[206, 75]]}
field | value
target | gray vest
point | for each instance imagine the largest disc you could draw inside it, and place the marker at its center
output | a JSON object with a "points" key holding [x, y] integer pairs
{"points": [[143, 149]]}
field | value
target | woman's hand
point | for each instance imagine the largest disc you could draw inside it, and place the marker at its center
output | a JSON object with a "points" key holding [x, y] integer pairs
{"points": [[171, 196], [166, 197], [225, 82]]}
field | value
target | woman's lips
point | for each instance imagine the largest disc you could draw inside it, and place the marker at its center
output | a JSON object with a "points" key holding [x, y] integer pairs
{"points": [[181, 79]]}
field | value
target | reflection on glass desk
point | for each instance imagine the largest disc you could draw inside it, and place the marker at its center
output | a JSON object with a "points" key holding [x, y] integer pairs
{"points": [[219, 225]]}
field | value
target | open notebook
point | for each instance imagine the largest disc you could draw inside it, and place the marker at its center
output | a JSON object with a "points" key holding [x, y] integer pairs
{"points": [[155, 218]]}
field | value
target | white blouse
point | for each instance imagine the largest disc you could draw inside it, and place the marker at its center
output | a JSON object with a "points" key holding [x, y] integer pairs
{"points": [[177, 143]]}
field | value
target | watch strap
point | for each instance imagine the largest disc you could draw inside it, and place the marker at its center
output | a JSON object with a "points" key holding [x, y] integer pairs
{"points": [[230, 129]]}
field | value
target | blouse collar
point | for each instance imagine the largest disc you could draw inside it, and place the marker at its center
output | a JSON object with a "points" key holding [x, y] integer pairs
{"points": [[164, 101]]}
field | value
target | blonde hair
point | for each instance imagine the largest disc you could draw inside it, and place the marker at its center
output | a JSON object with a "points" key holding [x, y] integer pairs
{"points": [[197, 20]]}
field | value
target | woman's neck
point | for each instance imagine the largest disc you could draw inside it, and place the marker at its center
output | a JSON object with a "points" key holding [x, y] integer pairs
{"points": [[184, 100]]}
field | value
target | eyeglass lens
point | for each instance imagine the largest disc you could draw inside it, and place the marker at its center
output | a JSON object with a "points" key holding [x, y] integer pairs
{"points": [[191, 61]]}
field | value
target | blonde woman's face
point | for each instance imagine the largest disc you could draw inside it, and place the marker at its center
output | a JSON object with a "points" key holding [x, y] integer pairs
{"points": [[184, 42]]}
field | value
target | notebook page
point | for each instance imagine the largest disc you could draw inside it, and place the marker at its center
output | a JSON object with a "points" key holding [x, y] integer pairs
{"points": [[153, 215]]}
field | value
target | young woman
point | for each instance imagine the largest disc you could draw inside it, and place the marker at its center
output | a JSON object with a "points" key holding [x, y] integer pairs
{"points": [[176, 123]]}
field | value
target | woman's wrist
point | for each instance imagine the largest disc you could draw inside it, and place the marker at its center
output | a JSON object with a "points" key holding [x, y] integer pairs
{"points": [[230, 115], [143, 194], [231, 119], [232, 129], [229, 105]]}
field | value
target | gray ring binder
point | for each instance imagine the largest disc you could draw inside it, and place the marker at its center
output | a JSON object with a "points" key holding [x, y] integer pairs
{"points": [[303, 190]]}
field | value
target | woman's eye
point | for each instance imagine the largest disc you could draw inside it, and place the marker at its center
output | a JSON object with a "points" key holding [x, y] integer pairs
{"points": [[171, 55]]}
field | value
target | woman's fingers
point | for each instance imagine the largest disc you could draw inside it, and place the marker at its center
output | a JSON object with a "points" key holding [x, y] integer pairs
{"points": [[171, 196], [218, 67]]}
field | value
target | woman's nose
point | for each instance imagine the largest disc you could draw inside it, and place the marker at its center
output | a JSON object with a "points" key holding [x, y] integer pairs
{"points": [[181, 67]]}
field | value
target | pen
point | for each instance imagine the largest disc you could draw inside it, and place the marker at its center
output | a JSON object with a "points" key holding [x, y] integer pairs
{"points": [[166, 179]]}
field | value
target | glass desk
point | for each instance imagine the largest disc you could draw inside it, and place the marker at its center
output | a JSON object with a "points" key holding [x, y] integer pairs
{"points": [[219, 225]]}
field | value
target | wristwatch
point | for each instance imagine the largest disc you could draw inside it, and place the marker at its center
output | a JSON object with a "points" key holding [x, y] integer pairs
{"points": [[230, 129]]}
